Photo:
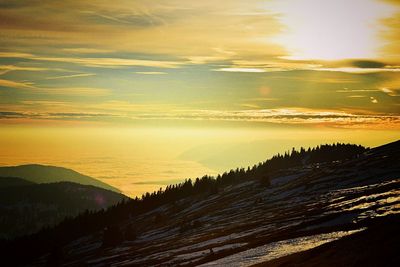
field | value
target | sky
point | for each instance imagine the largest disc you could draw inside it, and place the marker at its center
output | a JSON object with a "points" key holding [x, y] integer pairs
{"points": [[215, 67]]}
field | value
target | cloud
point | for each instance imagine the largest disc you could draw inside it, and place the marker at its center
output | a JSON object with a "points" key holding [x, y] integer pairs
{"points": [[346, 90], [150, 72], [390, 86], [12, 115], [17, 85], [282, 64], [359, 70], [373, 100], [253, 70], [207, 59], [67, 91], [87, 50], [262, 99], [71, 76], [356, 96], [18, 68], [176, 28], [391, 91], [9, 68], [51, 116], [96, 62], [284, 116], [272, 65], [74, 91], [15, 55], [368, 64]]}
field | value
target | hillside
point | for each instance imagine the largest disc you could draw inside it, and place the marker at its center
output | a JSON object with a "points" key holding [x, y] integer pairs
{"points": [[240, 219], [13, 181], [375, 246], [26, 207], [50, 174]]}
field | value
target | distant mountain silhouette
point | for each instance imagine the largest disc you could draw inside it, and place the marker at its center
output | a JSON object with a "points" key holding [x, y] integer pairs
{"points": [[50, 174], [26, 207], [13, 181]]}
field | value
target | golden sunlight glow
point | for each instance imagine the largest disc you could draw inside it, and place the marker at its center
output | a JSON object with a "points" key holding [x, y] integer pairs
{"points": [[138, 160], [141, 94], [331, 30]]}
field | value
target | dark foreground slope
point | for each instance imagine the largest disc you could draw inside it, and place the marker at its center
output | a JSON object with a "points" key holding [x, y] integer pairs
{"points": [[50, 174], [376, 246], [26, 207], [248, 222]]}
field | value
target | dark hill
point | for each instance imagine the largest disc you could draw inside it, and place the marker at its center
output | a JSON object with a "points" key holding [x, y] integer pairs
{"points": [[50, 174], [27, 208], [376, 246], [13, 181]]}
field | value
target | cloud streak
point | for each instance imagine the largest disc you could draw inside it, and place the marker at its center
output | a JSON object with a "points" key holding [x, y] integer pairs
{"points": [[71, 76], [17, 85], [105, 62], [288, 116]]}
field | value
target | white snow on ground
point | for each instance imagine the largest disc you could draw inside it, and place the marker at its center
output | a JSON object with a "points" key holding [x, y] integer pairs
{"points": [[277, 249], [197, 254], [358, 189], [379, 202]]}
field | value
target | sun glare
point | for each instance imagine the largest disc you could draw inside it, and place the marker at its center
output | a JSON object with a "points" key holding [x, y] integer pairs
{"points": [[331, 30]]}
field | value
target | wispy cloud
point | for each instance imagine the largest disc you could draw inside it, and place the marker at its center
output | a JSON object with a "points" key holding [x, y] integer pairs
{"points": [[346, 90], [284, 116], [87, 50], [13, 68], [358, 70], [262, 99], [71, 76], [15, 84], [253, 70], [74, 91], [150, 72], [391, 91], [343, 66], [373, 100], [107, 62], [67, 91], [356, 96]]}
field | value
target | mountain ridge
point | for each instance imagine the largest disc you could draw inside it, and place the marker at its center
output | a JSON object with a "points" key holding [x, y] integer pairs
{"points": [[38, 173]]}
